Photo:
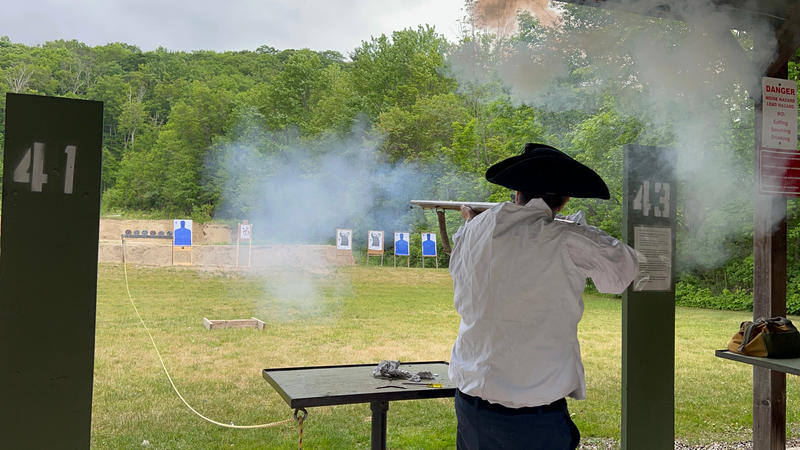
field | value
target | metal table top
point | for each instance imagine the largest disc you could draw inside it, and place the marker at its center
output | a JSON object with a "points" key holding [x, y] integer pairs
{"points": [[303, 387], [785, 365]]}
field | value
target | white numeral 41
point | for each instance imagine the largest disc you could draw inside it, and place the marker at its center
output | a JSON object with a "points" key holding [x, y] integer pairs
{"points": [[30, 168]]}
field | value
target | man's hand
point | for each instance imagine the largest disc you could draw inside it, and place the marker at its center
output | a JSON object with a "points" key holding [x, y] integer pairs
{"points": [[467, 213]]}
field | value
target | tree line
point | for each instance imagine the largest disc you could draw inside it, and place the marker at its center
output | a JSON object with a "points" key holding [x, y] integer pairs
{"points": [[169, 115]]}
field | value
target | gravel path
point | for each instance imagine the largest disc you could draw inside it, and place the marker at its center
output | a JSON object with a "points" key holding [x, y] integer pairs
{"points": [[610, 444]]}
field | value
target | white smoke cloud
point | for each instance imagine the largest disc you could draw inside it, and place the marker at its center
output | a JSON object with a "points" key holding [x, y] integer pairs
{"points": [[686, 85], [304, 190], [299, 191]]}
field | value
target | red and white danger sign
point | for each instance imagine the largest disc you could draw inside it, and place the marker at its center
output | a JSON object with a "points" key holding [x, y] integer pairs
{"points": [[779, 124], [778, 159]]}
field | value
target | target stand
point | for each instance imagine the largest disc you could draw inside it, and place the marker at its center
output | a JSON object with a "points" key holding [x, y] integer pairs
{"points": [[374, 253]]}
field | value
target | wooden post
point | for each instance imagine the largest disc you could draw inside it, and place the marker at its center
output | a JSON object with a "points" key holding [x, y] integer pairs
{"points": [[238, 235], [769, 265], [769, 300], [250, 247]]}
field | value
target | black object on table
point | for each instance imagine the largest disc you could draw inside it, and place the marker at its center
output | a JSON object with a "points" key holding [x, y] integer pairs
{"points": [[303, 387]]}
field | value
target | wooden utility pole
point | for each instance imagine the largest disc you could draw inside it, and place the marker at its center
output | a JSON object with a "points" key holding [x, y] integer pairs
{"points": [[769, 274], [769, 300]]}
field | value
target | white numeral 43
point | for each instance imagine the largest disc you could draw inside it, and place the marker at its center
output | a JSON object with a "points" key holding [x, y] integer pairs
{"points": [[641, 202], [30, 168]]}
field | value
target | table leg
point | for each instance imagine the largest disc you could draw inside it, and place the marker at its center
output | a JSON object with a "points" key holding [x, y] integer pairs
{"points": [[379, 409]]}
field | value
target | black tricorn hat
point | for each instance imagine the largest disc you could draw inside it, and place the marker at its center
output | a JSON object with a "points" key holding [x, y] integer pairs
{"points": [[542, 169]]}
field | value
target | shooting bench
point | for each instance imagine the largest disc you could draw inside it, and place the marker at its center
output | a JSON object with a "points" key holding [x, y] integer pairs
{"points": [[785, 365], [303, 387]]}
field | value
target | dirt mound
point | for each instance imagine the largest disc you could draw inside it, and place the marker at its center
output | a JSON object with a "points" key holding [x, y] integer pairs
{"points": [[161, 253], [213, 246], [206, 233]]}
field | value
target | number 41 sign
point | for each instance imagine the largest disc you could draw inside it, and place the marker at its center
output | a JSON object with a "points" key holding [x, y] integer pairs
{"points": [[30, 169], [50, 221]]}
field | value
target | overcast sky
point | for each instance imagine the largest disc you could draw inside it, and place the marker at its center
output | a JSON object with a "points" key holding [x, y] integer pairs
{"points": [[223, 25]]}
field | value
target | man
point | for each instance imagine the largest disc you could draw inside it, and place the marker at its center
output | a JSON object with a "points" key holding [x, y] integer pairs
{"points": [[518, 276]]}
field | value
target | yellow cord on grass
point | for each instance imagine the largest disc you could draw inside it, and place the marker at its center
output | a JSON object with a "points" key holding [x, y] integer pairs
{"points": [[226, 425]]}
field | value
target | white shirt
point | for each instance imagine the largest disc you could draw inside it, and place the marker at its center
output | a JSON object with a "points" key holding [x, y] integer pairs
{"points": [[518, 278]]}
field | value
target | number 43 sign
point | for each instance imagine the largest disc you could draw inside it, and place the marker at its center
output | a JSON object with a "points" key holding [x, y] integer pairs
{"points": [[30, 168], [661, 191]]}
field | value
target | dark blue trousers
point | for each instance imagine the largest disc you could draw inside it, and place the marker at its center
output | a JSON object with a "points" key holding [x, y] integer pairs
{"points": [[485, 426]]}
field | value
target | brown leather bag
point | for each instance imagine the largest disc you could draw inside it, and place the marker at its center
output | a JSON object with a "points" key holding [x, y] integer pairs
{"points": [[775, 337]]}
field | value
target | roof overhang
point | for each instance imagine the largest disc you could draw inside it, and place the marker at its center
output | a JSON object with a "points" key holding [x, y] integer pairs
{"points": [[782, 15], [740, 11]]}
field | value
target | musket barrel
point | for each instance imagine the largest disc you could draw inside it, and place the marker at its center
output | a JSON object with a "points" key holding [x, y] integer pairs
{"points": [[443, 204]]}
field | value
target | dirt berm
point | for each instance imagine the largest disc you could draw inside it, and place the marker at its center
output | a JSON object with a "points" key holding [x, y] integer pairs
{"points": [[213, 246]]}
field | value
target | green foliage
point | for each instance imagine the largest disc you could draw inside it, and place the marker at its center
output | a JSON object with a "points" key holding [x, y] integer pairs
{"points": [[419, 132], [688, 294], [397, 71], [182, 128]]}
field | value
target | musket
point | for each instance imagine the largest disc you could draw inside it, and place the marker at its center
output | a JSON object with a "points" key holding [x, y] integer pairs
{"points": [[441, 205]]}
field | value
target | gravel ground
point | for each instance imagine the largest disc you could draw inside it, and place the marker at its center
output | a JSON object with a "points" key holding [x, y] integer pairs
{"points": [[610, 444]]}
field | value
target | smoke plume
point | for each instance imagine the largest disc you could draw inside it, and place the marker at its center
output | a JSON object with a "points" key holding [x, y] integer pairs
{"points": [[296, 192], [689, 81]]}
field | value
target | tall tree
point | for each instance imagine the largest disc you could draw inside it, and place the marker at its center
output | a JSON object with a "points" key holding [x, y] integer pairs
{"points": [[397, 71]]}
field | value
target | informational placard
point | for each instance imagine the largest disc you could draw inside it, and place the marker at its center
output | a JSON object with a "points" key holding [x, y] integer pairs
{"points": [[344, 239], [778, 172], [778, 158], [375, 241], [779, 114], [245, 231], [182, 232], [428, 244], [654, 248], [648, 305], [401, 243], [48, 270]]}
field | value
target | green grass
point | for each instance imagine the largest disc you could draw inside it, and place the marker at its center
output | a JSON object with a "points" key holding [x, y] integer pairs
{"points": [[353, 315]]}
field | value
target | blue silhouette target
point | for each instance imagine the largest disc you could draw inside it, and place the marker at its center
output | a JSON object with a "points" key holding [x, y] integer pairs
{"points": [[401, 244], [428, 244], [182, 232]]}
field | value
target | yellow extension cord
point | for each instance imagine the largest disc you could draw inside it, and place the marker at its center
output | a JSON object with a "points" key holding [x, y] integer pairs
{"points": [[130, 297]]}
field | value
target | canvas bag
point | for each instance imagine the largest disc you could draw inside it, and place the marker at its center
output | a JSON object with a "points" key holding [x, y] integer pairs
{"points": [[775, 337]]}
